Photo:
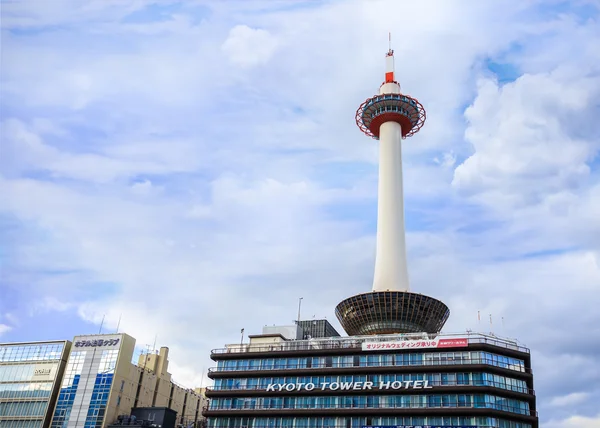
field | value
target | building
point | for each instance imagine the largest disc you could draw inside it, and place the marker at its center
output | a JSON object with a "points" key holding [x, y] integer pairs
{"points": [[470, 380], [317, 328], [391, 307], [395, 369], [162, 417], [100, 383], [30, 375]]}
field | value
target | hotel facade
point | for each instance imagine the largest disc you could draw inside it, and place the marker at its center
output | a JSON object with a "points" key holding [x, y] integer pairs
{"points": [[455, 381]]}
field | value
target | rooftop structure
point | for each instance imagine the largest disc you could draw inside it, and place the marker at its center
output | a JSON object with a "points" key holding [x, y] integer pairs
{"points": [[313, 329], [391, 117], [368, 342]]}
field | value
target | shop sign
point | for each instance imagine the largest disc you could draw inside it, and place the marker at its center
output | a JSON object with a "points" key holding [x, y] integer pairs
{"points": [[418, 426], [44, 371], [348, 386], [415, 344], [97, 342]]}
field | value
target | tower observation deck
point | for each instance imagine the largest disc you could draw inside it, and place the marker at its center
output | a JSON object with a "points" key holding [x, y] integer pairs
{"points": [[391, 307]]}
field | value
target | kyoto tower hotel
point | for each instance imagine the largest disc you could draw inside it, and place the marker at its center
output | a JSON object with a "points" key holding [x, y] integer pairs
{"points": [[395, 368]]}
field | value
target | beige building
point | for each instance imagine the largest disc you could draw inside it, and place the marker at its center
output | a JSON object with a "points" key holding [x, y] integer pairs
{"points": [[101, 382], [186, 402]]}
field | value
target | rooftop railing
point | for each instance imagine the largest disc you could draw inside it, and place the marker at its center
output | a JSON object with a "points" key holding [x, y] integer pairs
{"points": [[355, 342], [214, 405]]}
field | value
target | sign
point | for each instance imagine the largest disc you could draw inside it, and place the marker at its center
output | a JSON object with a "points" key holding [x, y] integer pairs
{"points": [[415, 344], [418, 426], [97, 342], [348, 386], [44, 372]]}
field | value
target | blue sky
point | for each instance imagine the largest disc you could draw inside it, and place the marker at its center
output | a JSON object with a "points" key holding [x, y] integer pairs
{"points": [[194, 168]]}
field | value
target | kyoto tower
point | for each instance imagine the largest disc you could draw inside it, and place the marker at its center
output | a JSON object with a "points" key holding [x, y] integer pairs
{"points": [[390, 308]]}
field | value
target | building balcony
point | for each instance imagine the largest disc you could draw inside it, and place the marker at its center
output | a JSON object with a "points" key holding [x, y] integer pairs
{"points": [[523, 393], [506, 412], [476, 365]]}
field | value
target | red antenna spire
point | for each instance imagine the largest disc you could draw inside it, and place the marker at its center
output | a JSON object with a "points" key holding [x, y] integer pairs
{"points": [[389, 62]]}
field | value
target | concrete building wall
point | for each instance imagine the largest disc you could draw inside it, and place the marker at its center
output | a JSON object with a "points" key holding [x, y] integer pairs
{"points": [[122, 376], [146, 386], [178, 399], [290, 332], [162, 393], [192, 406], [266, 340]]}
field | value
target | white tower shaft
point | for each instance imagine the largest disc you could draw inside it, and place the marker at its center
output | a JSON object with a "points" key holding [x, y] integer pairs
{"points": [[391, 272]]}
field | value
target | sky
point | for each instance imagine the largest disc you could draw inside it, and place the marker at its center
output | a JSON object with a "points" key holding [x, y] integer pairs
{"points": [[186, 169]]}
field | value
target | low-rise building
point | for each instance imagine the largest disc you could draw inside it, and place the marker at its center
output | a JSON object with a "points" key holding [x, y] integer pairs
{"points": [[30, 379], [88, 384]]}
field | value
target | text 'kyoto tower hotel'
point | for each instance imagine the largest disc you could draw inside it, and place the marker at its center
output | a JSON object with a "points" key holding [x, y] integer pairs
{"points": [[395, 368]]}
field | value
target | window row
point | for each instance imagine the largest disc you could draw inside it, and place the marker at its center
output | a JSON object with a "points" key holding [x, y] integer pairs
{"points": [[64, 404], [385, 109], [373, 401], [74, 367], [434, 379], [22, 423], [108, 360], [375, 360], [61, 416], [380, 98], [95, 416], [19, 372], [32, 352], [25, 390], [23, 408], [358, 422]]}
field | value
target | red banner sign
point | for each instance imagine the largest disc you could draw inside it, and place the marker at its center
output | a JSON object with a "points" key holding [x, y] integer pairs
{"points": [[416, 344]]}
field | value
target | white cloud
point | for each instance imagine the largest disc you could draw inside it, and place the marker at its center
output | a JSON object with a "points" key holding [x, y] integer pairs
{"points": [[248, 47], [524, 147], [569, 399], [213, 161], [574, 422], [4, 328]]}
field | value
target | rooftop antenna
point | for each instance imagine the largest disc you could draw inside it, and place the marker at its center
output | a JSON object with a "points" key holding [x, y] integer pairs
{"points": [[299, 307], [390, 42], [101, 324], [154, 345], [147, 348], [119, 323]]}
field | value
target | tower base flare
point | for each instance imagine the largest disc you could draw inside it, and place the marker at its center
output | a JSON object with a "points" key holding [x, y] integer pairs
{"points": [[391, 312]]}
